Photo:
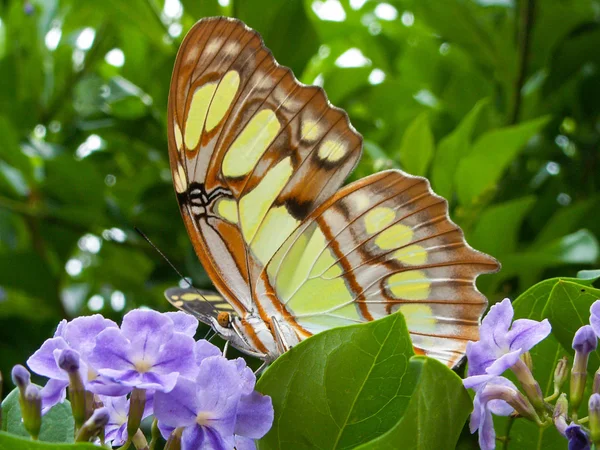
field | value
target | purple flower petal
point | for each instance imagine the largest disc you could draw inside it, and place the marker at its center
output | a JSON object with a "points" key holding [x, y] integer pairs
{"points": [[480, 357], [177, 355], [247, 377], [179, 407], [254, 415], [197, 437], [219, 392], [244, 443], [504, 363], [497, 321], [157, 381], [112, 351], [54, 392], [205, 349], [81, 332], [477, 381], [578, 440], [525, 334], [60, 329], [595, 317], [183, 323], [102, 385], [43, 363], [585, 340], [146, 328], [165, 430]]}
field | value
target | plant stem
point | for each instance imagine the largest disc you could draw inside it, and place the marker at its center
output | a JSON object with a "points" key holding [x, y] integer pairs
{"points": [[509, 424], [526, 19], [155, 433]]}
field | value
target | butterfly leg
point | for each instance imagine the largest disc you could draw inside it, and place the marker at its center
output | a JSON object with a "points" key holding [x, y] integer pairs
{"points": [[225, 348], [262, 367], [282, 344]]}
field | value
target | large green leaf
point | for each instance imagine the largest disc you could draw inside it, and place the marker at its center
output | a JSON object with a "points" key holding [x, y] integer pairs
{"points": [[348, 386], [282, 26], [57, 424], [568, 310], [10, 442], [497, 229], [417, 146], [438, 398], [479, 172], [452, 149]]}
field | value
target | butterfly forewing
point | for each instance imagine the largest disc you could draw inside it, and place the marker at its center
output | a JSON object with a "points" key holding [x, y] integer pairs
{"points": [[257, 160], [253, 151]]}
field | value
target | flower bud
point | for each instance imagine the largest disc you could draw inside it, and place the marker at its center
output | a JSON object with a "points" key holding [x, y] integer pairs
{"points": [[31, 411], [94, 425], [560, 414], [584, 342], [174, 441], [594, 415], [514, 398], [560, 374], [526, 358], [20, 378], [69, 361], [530, 386], [137, 403], [596, 385]]}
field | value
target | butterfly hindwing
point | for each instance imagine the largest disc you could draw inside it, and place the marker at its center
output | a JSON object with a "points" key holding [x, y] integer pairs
{"points": [[253, 151], [202, 304], [381, 245]]}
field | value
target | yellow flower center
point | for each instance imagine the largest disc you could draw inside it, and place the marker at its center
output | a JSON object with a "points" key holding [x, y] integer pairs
{"points": [[203, 418], [143, 366]]}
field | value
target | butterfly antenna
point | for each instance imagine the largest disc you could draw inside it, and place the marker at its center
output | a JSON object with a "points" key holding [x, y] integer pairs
{"points": [[147, 239]]}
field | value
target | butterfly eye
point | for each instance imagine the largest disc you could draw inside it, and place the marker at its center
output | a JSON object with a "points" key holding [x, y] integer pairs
{"points": [[223, 319]]}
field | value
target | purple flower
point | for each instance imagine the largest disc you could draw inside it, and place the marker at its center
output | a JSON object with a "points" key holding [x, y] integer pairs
{"points": [[146, 353], [500, 345], [595, 317], [485, 404], [218, 404], [78, 335], [585, 340], [578, 439], [183, 322], [118, 410]]}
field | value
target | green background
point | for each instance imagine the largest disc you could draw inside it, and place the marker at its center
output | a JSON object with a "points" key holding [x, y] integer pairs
{"points": [[496, 101]]}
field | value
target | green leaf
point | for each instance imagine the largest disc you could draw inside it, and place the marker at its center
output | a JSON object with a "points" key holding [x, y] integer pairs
{"points": [[348, 386], [200, 9], [564, 221], [417, 147], [438, 398], [282, 25], [568, 310], [57, 424], [500, 220], [591, 275], [479, 172], [452, 149], [10, 442]]}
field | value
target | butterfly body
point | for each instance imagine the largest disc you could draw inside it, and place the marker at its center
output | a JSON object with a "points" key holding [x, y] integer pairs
{"points": [[258, 160]]}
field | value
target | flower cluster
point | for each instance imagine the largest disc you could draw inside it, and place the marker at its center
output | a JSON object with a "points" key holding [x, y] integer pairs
{"points": [[504, 346], [150, 365]]}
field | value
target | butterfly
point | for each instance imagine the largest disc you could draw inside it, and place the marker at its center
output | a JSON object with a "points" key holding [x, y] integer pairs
{"points": [[258, 161]]}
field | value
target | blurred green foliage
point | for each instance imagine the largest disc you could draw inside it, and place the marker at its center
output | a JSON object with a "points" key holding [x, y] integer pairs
{"points": [[496, 101]]}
